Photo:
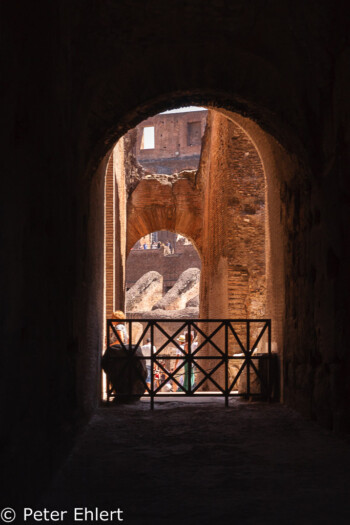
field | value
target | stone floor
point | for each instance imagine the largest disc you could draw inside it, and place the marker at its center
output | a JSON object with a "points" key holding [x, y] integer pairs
{"points": [[204, 464]]}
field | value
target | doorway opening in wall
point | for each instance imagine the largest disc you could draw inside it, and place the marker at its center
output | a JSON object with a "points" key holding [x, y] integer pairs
{"points": [[213, 191]]}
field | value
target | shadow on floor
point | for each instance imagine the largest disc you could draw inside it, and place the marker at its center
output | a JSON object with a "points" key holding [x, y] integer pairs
{"points": [[203, 464]]}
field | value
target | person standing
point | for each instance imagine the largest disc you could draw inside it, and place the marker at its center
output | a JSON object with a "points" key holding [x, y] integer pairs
{"points": [[189, 377], [146, 352], [120, 329], [169, 246]]}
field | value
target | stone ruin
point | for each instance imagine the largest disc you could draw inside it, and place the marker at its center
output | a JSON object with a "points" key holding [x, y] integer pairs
{"points": [[146, 295], [185, 289], [144, 300], [193, 302], [145, 292]]}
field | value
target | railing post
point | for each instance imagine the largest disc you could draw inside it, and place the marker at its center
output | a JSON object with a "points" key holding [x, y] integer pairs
{"points": [[247, 359], [269, 368], [188, 358], [130, 354], [107, 381], [226, 365], [152, 360]]}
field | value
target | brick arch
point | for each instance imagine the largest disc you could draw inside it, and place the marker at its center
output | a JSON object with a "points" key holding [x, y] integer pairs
{"points": [[175, 206]]}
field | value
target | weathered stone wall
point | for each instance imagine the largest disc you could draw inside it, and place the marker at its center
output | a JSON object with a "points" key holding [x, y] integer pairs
{"points": [[185, 288], [115, 229], [110, 244], [165, 203], [121, 165], [232, 181], [133, 171], [147, 291]]}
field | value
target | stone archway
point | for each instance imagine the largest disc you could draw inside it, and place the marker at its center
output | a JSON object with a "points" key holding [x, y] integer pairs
{"points": [[277, 166], [220, 207], [165, 203]]}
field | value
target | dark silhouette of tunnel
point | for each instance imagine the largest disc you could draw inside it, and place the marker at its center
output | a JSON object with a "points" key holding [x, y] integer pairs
{"points": [[79, 75]]}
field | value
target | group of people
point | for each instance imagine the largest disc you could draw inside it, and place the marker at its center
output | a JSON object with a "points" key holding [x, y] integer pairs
{"points": [[168, 247], [185, 376]]}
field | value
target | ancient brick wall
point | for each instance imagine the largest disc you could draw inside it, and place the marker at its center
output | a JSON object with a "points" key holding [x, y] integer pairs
{"points": [[165, 202], [115, 229], [177, 142], [120, 166], [232, 180], [109, 238]]}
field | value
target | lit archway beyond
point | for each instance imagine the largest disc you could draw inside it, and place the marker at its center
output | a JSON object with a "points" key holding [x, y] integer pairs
{"points": [[155, 206]]}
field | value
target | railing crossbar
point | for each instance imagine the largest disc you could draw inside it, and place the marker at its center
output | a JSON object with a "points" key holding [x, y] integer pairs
{"points": [[191, 360]]}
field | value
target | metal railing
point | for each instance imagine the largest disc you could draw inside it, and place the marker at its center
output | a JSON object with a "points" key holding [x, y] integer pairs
{"points": [[232, 356]]}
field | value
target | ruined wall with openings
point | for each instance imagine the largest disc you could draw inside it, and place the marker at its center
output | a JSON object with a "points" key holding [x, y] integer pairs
{"points": [[165, 202], [223, 208], [177, 142]]}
